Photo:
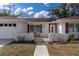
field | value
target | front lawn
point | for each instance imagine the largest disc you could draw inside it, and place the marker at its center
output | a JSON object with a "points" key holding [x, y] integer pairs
{"points": [[69, 49], [18, 49]]}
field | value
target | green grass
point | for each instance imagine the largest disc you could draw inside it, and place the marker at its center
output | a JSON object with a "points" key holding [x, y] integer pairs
{"points": [[18, 49]]}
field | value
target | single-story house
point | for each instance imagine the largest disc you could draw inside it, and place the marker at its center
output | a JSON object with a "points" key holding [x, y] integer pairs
{"points": [[33, 28]]}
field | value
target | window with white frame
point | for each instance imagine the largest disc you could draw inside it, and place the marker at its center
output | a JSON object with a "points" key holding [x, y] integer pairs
{"points": [[77, 28], [72, 27], [35, 28]]}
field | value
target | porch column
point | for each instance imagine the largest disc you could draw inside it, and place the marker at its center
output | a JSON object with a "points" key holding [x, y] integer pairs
{"points": [[61, 28]]}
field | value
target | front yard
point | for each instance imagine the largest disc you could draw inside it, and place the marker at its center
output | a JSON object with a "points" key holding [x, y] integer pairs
{"points": [[18, 49], [69, 49]]}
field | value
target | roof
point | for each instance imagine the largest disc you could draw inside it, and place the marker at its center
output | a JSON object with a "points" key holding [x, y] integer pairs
{"points": [[71, 17], [40, 19], [8, 17], [29, 19]]}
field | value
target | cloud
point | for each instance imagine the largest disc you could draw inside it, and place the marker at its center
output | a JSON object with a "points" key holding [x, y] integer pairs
{"points": [[24, 10], [29, 8], [46, 4], [4, 5], [30, 12], [1, 7], [18, 11], [1, 4], [42, 14]]}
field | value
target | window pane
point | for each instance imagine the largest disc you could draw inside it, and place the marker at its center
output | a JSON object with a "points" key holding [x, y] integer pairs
{"points": [[1, 25], [77, 28], [38, 28], [14, 25], [77, 25], [35, 28], [10, 24], [5, 24], [70, 27]]}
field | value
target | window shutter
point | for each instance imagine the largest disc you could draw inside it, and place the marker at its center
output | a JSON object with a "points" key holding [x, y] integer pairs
{"points": [[28, 28], [66, 28]]}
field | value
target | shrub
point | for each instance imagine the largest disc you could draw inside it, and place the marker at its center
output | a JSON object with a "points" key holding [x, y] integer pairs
{"points": [[71, 37], [21, 39]]}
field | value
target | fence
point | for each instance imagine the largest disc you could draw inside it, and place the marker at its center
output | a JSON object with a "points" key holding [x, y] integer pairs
{"points": [[58, 37], [26, 36]]}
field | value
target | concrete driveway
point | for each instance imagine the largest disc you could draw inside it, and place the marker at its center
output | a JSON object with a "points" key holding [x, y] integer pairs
{"points": [[4, 42]]}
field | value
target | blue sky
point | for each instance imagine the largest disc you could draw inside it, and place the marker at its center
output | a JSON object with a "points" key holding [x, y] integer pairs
{"points": [[33, 10], [37, 6]]}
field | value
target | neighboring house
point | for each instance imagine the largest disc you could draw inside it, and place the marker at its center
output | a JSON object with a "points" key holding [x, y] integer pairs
{"points": [[31, 28]]}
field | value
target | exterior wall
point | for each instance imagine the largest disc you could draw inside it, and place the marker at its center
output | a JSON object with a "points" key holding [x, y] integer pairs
{"points": [[8, 20], [45, 29], [22, 28]]}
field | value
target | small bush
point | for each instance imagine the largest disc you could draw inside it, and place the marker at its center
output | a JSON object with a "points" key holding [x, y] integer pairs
{"points": [[71, 37], [21, 39]]}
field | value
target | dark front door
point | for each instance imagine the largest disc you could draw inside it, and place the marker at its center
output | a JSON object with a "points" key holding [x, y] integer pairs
{"points": [[52, 28]]}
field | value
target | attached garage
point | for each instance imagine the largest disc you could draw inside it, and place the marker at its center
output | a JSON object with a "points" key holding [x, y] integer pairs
{"points": [[7, 31], [8, 28]]}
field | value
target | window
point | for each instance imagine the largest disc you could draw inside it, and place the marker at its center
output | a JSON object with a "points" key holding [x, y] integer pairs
{"points": [[5, 24], [73, 27], [1, 25], [70, 27], [38, 28], [10, 25], [14, 25], [35, 28], [77, 28]]}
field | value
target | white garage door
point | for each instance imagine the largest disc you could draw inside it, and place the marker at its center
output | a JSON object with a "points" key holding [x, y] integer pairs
{"points": [[7, 31]]}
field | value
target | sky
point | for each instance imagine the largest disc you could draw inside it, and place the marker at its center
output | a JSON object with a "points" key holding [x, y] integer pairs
{"points": [[33, 10]]}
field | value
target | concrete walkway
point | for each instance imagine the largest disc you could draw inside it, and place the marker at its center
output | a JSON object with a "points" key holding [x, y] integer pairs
{"points": [[41, 49], [4, 42]]}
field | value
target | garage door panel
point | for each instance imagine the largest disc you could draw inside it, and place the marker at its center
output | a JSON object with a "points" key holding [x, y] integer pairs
{"points": [[7, 32]]}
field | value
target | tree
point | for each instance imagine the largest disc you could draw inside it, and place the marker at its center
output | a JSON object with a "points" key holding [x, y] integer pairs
{"points": [[7, 10], [66, 10]]}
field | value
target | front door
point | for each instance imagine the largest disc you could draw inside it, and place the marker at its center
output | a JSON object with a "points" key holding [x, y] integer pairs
{"points": [[52, 28]]}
